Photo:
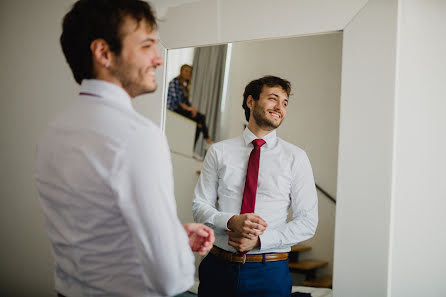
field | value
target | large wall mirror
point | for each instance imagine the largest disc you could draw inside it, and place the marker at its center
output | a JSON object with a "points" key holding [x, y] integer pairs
{"points": [[313, 66]]}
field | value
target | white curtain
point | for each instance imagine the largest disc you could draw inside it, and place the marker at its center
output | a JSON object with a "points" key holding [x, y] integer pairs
{"points": [[207, 87]]}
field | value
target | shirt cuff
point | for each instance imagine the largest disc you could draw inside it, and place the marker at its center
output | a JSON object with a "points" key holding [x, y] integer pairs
{"points": [[222, 219], [268, 240]]}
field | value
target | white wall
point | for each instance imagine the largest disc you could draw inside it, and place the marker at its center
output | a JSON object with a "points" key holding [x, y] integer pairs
{"points": [[366, 152], [216, 21], [313, 66], [185, 178], [418, 238], [35, 84]]}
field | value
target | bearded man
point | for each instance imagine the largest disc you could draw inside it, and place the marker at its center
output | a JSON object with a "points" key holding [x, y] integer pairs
{"points": [[103, 171], [246, 188]]}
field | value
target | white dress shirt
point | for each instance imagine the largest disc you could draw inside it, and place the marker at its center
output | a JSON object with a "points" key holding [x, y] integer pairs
{"points": [[285, 180], [105, 183]]}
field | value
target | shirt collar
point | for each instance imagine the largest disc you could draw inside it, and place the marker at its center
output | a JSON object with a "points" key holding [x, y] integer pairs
{"points": [[106, 91], [270, 138]]}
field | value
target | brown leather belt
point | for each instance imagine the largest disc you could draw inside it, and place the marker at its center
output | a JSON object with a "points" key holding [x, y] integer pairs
{"points": [[236, 258]]}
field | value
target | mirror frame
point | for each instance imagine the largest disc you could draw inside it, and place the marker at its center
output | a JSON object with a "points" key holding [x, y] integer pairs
{"points": [[367, 94]]}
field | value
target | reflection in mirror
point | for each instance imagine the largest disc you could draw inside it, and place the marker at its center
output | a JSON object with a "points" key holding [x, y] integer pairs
{"points": [[199, 99], [313, 66]]}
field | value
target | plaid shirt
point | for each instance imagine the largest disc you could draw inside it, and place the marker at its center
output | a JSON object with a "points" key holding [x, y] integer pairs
{"points": [[175, 95]]}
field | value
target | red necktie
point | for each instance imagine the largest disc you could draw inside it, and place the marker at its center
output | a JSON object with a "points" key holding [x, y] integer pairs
{"points": [[252, 175]]}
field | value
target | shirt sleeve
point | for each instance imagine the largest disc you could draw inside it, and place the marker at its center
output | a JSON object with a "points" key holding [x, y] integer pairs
{"points": [[304, 205], [172, 96], [143, 179], [205, 195]]}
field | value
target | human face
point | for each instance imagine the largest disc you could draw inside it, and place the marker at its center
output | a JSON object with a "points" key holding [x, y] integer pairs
{"points": [[268, 112], [186, 73], [135, 67]]}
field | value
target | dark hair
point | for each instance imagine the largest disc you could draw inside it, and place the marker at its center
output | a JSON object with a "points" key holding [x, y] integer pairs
{"points": [[89, 20], [254, 88]]}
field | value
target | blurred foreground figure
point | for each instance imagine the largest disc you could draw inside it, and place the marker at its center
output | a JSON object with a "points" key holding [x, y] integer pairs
{"points": [[103, 171]]}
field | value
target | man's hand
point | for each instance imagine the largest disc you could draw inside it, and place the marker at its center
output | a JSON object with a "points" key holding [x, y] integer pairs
{"points": [[248, 225], [201, 237], [242, 244]]}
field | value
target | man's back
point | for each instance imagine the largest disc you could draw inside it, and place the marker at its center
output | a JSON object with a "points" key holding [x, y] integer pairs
{"points": [[98, 173]]}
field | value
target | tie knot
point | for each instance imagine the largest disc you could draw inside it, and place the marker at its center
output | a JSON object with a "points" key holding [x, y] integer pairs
{"points": [[258, 142]]}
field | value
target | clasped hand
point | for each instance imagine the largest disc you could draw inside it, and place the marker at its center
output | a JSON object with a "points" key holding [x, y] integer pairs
{"points": [[245, 231], [201, 237]]}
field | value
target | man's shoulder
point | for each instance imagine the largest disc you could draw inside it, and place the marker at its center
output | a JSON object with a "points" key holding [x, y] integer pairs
{"points": [[145, 129], [291, 148], [231, 142], [107, 121], [128, 122]]}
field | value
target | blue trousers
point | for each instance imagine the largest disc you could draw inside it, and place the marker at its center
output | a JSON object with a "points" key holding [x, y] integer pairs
{"points": [[262, 279]]}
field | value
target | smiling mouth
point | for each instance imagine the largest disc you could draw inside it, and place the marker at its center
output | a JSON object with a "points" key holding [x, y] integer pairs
{"points": [[275, 115], [151, 74]]}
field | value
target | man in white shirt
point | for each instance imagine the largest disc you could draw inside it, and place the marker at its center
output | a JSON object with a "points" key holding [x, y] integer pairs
{"points": [[250, 254], [103, 171]]}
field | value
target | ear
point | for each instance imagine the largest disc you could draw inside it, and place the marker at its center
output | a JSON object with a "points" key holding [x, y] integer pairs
{"points": [[249, 101], [101, 53]]}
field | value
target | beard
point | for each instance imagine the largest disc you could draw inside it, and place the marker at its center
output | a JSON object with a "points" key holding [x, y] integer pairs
{"points": [[261, 119], [131, 78]]}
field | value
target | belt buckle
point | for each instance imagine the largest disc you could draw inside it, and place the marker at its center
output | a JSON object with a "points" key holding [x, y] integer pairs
{"points": [[244, 258]]}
